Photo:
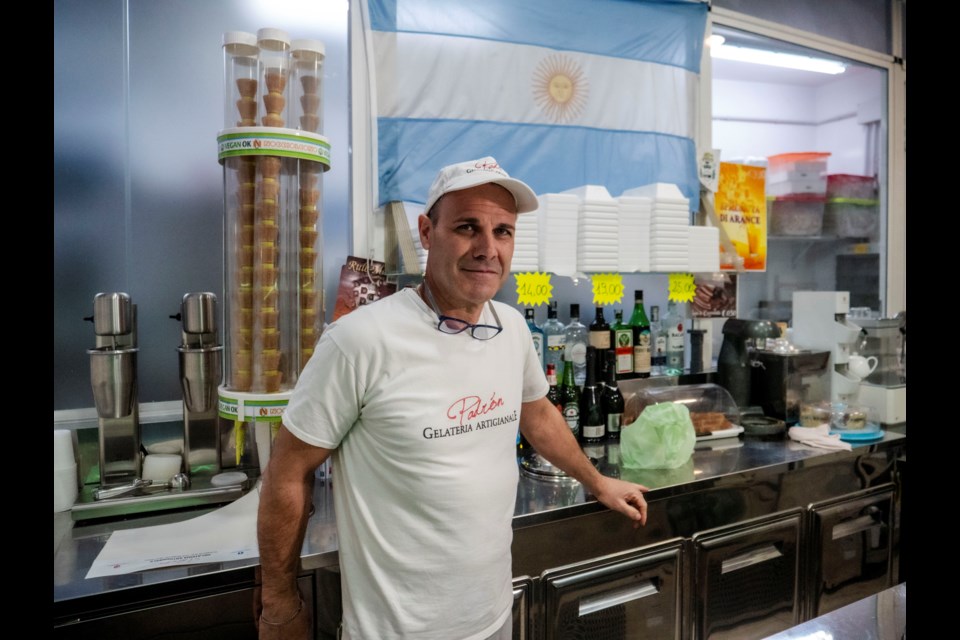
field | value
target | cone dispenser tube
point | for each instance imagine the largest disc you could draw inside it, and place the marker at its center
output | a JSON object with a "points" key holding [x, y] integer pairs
{"points": [[307, 84], [241, 74], [272, 215]]}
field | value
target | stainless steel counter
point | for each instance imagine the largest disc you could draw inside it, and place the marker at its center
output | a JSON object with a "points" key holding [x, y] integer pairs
{"points": [[882, 616], [729, 462]]}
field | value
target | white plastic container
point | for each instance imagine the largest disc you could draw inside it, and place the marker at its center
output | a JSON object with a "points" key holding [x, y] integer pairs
{"points": [[796, 215]]}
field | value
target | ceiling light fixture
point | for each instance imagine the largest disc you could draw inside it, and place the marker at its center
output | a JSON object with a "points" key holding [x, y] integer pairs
{"points": [[783, 60]]}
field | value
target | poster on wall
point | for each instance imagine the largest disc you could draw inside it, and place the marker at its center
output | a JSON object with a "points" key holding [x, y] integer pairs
{"points": [[715, 295], [741, 207], [362, 282]]}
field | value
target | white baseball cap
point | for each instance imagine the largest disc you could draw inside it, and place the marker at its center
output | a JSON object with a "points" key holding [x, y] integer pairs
{"points": [[472, 173]]}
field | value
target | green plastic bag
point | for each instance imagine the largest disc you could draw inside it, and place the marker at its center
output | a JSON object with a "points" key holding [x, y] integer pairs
{"points": [[662, 437]]}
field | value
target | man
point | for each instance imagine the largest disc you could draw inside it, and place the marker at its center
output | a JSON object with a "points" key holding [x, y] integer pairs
{"points": [[419, 397]]}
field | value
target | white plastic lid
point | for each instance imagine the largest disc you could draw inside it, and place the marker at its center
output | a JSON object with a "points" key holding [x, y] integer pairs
{"points": [[308, 50], [228, 478], [273, 39], [240, 43]]}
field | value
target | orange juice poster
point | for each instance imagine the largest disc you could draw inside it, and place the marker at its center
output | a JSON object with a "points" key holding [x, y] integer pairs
{"points": [[741, 206]]}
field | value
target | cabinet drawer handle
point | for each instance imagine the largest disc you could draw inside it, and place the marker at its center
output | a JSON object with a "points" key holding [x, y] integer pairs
{"points": [[851, 527], [750, 558], [613, 598]]}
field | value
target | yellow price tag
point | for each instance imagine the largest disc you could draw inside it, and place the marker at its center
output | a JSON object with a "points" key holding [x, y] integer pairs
{"points": [[533, 288], [681, 287], [607, 288]]}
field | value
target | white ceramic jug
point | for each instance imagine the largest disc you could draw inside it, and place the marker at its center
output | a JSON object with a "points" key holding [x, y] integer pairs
{"points": [[861, 366]]}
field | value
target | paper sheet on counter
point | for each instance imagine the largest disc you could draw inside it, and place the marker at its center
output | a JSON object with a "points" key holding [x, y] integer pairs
{"points": [[229, 533]]}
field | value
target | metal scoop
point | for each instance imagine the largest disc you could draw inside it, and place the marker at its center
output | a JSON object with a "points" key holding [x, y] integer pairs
{"points": [[116, 492]]}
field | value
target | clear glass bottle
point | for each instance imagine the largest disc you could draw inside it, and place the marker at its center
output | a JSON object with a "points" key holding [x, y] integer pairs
{"points": [[621, 341], [611, 399], [536, 333], [593, 428], [673, 328], [641, 336], [658, 343], [553, 331], [575, 341]]}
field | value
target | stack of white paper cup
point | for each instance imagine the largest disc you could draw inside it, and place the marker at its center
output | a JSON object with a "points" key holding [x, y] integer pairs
{"points": [[160, 467], [64, 471]]}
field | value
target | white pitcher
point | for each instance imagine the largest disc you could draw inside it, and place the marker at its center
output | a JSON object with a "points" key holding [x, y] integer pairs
{"points": [[861, 366]]}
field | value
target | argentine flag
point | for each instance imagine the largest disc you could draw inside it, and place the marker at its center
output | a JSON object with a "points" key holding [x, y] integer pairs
{"points": [[563, 93]]}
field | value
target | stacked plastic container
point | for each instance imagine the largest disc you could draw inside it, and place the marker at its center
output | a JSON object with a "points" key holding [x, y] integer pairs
{"points": [[273, 158], [796, 193], [853, 207], [598, 229], [669, 226]]}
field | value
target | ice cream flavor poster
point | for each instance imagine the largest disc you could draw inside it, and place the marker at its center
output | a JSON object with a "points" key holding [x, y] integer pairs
{"points": [[741, 206]]}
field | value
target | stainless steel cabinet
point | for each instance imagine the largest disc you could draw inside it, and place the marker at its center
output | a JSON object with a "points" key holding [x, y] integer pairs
{"points": [[851, 548], [218, 616], [747, 577], [522, 608], [636, 594]]}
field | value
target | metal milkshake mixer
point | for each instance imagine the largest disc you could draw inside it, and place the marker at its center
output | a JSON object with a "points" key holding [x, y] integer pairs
{"points": [[201, 358], [113, 377]]}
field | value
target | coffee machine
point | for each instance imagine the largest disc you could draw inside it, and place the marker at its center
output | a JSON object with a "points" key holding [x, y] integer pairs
{"points": [[783, 378], [113, 377], [200, 373], [885, 389], [736, 359], [820, 323]]}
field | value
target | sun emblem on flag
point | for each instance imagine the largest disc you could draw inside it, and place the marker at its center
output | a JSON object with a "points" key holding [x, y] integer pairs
{"points": [[560, 88]]}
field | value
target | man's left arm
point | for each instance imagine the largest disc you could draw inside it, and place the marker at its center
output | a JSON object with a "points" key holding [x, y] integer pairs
{"points": [[544, 427]]}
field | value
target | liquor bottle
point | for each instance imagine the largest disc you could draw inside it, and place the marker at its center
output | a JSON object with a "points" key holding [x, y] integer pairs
{"points": [[537, 334], [553, 334], [553, 395], [621, 340], [575, 341], [658, 343], [611, 400], [592, 426], [570, 398], [641, 336], [673, 327], [599, 334]]}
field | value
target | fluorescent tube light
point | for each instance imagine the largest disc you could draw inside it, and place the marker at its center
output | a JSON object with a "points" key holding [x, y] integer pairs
{"points": [[773, 59]]}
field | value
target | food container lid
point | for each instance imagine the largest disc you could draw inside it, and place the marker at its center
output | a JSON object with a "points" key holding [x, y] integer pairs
{"points": [[273, 39], [308, 50], [849, 177], [698, 398], [799, 197], [803, 156], [240, 43], [860, 202]]}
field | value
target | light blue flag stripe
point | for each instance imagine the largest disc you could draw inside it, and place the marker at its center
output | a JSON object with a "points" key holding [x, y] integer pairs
{"points": [[654, 31], [550, 159]]}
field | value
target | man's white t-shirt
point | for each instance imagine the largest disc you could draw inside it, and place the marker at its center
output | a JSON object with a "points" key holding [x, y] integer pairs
{"points": [[425, 473]]}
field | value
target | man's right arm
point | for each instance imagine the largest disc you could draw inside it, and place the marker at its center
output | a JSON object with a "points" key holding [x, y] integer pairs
{"points": [[285, 499]]}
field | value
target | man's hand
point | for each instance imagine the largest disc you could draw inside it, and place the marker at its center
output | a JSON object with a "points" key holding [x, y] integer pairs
{"points": [[625, 497], [550, 436]]}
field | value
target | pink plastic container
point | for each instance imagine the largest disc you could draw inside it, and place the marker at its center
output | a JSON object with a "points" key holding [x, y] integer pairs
{"points": [[844, 185]]}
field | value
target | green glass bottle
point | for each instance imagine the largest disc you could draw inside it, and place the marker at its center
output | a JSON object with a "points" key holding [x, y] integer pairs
{"points": [[641, 336], [570, 398]]}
